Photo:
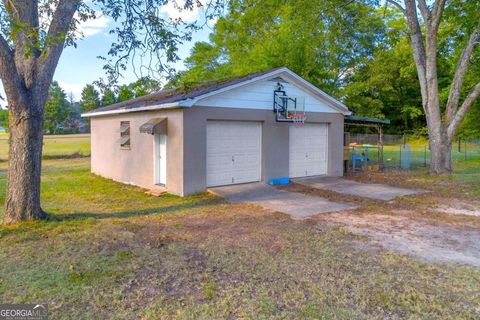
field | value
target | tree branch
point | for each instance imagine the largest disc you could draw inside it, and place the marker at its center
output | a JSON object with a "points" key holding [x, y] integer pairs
{"points": [[398, 5], [12, 82], [457, 119], [416, 39], [422, 5], [4, 48], [437, 12], [55, 41], [460, 71], [24, 16], [7, 64]]}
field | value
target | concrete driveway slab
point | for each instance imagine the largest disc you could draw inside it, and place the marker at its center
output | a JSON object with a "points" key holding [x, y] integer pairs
{"points": [[368, 190], [295, 204]]}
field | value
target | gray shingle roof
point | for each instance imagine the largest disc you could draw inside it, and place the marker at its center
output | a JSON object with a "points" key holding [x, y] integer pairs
{"points": [[178, 94]]}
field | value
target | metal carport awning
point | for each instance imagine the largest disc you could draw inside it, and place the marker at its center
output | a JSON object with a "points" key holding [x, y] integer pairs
{"points": [[378, 124], [155, 126]]}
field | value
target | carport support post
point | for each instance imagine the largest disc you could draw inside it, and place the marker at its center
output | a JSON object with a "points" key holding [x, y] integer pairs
{"points": [[366, 158], [380, 142], [400, 156]]}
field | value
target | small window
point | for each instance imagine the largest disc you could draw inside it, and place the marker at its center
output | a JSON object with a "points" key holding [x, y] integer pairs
{"points": [[125, 135]]}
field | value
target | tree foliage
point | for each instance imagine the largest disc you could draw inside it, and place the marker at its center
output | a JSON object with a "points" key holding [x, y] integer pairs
{"points": [[125, 93], [108, 97], [90, 98], [57, 110], [139, 88], [322, 41], [4, 118], [386, 85]]}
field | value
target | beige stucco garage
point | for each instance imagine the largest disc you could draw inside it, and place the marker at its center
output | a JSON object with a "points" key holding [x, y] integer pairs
{"points": [[220, 133]]}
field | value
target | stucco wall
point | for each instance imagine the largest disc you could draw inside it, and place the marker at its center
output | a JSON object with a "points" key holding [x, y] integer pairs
{"points": [[186, 146], [135, 166], [275, 148]]}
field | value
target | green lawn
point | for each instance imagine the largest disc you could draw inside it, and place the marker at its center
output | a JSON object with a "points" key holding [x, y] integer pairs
{"points": [[111, 251], [467, 172], [55, 146], [419, 154]]}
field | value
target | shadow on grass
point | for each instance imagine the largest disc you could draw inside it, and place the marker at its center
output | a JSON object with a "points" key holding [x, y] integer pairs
{"points": [[77, 221], [75, 155], [134, 213]]}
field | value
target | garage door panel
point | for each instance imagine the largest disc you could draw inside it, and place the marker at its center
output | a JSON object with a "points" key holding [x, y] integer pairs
{"points": [[233, 152], [308, 150]]}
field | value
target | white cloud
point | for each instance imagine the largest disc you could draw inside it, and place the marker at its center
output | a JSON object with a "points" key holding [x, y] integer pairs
{"points": [[88, 28], [74, 88], [176, 11], [93, 26]]}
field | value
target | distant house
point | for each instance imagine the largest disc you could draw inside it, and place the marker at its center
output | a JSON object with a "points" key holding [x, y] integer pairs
{"points": [[240, 130]]}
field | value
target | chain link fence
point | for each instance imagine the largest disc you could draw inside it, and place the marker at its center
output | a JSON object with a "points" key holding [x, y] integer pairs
{"points": [[365, 152]]}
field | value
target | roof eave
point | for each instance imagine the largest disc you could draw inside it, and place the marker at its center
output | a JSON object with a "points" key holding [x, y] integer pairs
{"points": [[177, 104]]}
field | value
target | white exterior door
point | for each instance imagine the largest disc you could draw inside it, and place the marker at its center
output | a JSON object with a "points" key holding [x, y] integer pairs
{"points": [[234, 150], [160, 159], [308, 150]]}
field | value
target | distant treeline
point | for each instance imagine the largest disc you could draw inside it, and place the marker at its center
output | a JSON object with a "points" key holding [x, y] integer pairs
{"points": [[63, 113]]}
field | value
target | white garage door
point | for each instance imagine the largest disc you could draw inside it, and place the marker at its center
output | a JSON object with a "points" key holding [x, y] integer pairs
{"points": [[308, 150], [234, 151]]}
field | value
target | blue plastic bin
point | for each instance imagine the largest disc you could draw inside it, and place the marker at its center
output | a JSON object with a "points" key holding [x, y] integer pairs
{"points": [[279, 181]]}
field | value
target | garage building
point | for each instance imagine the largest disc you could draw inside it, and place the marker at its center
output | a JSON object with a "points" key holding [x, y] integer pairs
{"points": [[259, 127]]}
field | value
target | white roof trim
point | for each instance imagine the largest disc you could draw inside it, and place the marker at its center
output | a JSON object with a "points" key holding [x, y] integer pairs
{"points": [[332, 102], [177, 104]]}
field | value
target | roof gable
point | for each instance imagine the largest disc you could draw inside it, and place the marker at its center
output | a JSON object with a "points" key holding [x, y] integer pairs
{"points": [[205, 94], [297, 85], [259, 95]]}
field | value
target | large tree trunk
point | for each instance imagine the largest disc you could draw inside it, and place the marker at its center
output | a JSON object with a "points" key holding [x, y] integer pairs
{"points": [[447, 161], [441, 151], [24, 164]]}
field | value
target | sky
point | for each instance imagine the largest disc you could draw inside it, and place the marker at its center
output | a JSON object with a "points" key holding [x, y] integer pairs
{"points": [[80, 66]]}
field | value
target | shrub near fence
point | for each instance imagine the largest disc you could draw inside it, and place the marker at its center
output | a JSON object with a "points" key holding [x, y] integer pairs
{"points": [[402, 151]]}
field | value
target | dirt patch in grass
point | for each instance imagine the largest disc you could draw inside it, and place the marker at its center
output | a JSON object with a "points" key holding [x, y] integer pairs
{"points": [[426, 238], [442, 225], [450, 186], [462, 208]]}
